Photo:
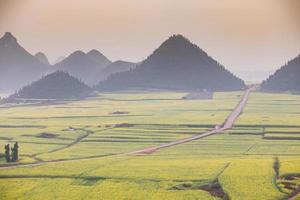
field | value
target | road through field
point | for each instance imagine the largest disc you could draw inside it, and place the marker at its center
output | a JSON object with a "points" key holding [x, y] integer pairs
{"points": [[228, 124]]}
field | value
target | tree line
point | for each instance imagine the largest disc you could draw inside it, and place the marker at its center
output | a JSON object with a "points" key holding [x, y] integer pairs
{"points": [[12, 154]]}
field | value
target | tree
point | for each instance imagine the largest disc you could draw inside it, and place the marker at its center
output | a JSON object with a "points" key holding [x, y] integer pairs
{"points": [[7, 153], [16, 152]]}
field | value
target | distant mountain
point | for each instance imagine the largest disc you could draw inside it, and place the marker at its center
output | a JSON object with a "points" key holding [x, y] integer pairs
{"points": [[57, 85], [115, 67], [287, 78], [59, 59], [42, 58], [176, 65], [99, 58], [80, 65], [17, 66]]}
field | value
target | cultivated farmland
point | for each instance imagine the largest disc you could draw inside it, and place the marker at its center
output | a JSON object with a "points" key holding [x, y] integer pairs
{"points": [[79, 149]]}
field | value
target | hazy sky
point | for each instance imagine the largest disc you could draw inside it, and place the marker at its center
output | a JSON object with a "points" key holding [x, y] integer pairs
{"points": [[252, 35]]}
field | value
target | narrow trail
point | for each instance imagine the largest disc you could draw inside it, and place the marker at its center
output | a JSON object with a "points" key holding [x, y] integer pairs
{"points": [[79, 139], [25, 165], [87, 133], [228, 124], [39, 161]]}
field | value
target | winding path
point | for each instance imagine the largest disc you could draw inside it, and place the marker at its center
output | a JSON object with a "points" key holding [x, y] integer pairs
{"points": [[228, 124]]}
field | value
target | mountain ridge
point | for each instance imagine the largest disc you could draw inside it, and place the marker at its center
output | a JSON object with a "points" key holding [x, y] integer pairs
{"points": [[284, 79], [176, 64], [80, 65], [18, 67], [99, 58]]}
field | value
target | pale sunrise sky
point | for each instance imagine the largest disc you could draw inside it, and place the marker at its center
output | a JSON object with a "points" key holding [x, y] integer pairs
{"points": [[243, 35]]}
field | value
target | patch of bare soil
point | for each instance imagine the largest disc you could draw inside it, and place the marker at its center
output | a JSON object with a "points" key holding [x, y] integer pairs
{"points": [[289, 182], [47, 135], [44, 135], [215, 189], [295, 194], [199, 96], [124, 125], [288, 185], [69, 129], [119, 113]]}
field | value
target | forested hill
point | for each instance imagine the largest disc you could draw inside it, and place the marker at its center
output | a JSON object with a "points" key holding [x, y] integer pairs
{"points": [[287, 78], [58, 85], [176, 65]]}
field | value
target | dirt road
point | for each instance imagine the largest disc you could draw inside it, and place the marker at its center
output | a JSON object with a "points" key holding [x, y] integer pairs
{"points": [[228, 124]]}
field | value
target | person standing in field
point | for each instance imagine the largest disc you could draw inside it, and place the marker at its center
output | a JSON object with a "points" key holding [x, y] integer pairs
{"points": [[7, 154]]}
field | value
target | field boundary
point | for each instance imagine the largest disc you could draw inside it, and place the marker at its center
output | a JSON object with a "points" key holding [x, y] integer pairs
{"points": [[228, 124]]}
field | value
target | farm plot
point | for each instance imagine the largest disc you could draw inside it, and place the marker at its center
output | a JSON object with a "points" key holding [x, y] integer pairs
{"points": [[91, 138]]}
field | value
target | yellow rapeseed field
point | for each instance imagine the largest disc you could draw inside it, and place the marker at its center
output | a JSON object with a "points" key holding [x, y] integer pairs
{"points": [[82, 146]]}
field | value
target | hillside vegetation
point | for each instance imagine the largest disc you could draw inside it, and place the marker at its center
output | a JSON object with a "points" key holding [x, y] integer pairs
{"points": [[287, 78], [58, 85], [176, 65]]}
